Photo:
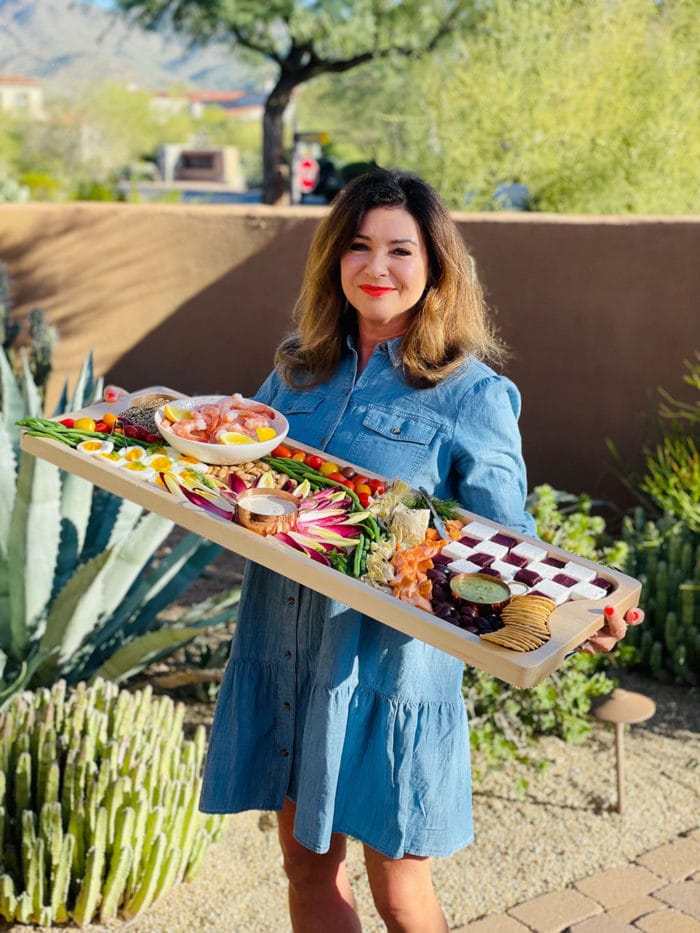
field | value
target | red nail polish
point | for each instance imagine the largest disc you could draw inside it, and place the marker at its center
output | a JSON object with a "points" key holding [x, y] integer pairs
{"points": [[633, 616], [608, 610]]}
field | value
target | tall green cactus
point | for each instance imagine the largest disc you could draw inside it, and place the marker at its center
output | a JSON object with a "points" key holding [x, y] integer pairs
{"points": [[80, 590], [665, 557], [126, 828]]}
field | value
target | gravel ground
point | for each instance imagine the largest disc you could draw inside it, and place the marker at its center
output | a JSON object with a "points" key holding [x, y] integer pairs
{"points": [[537, 830]]}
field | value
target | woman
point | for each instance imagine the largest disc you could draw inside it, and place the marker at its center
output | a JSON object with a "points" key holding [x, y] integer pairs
{"points": [[340, 723]]}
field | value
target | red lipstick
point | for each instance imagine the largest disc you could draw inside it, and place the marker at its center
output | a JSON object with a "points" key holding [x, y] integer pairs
{"points": [[375, 290]]}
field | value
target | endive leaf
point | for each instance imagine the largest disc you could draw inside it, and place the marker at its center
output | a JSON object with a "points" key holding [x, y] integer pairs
{"points": [[35, 529]]}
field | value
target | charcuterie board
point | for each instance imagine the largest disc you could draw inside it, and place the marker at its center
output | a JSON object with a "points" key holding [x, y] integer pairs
{"points": [[580, 587]]}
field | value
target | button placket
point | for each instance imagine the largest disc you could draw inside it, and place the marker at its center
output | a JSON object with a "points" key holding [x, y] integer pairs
{"points": [[287, 677]]}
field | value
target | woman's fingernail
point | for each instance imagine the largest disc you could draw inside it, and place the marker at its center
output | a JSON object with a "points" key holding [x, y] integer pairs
{"points": [[633, 615], [609, 611]]}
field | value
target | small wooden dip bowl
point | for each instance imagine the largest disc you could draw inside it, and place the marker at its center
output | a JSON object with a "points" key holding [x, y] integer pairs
{"points": [[267, 511], [481, 591]]}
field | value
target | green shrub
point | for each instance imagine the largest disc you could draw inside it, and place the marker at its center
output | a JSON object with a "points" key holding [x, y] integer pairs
{"points": [[505, 720], [665, 555], [98, 796]]}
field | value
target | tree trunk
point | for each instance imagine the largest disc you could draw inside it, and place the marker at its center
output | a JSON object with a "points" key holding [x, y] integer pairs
{"points": [[276, 182]]}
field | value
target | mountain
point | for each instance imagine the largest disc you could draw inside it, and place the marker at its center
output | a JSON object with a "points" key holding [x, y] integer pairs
{"points": [[70, 43]]}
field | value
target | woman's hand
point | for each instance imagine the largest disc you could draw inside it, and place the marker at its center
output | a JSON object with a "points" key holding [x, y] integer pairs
{"points": [[613, 631], [112, 393]]}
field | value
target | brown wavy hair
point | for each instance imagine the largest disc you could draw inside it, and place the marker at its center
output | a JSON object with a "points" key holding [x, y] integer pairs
{"points": [[450, 321]]}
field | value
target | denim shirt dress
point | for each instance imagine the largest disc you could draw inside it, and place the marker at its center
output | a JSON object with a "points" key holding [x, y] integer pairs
{"points": [[363, 727]]}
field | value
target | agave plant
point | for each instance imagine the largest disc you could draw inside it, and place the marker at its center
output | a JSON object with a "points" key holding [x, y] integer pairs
{"points": [[81, 589]]}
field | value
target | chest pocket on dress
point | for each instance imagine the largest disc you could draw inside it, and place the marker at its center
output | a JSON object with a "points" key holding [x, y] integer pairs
{"points": [[301, 412], [394, 444]]}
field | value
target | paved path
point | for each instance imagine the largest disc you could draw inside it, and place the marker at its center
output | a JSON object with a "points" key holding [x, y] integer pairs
{"points": [[657, 893]]}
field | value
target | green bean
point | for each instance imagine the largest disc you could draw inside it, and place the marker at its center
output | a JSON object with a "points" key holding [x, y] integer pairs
{"points": [[357, 556]]}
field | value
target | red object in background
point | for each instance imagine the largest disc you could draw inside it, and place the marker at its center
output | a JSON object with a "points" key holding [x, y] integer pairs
{"points": [[307, 175]]}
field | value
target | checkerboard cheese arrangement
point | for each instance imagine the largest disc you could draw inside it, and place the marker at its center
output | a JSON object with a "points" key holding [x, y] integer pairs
{"points": [[527, 567]]}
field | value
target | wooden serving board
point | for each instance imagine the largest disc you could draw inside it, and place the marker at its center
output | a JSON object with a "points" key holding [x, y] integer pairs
{"points": [[571, 623]]}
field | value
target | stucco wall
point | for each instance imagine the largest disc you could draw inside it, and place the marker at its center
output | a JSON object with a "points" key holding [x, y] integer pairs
{"points": [[598, 312]]}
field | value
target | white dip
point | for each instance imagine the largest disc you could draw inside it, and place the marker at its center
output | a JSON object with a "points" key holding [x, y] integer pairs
{"points": [[266, 505]]}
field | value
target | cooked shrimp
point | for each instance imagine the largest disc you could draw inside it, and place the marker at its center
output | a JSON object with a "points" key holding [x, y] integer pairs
{"points": [[193, 429], [238, 403]]}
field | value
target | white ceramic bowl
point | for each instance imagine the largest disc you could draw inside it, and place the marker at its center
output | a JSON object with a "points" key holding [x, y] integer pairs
{"points": [[220, 454]]}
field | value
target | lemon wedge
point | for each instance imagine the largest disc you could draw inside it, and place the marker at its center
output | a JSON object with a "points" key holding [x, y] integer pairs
{"points": [[265, 434], [172, 413], [234, 437]]}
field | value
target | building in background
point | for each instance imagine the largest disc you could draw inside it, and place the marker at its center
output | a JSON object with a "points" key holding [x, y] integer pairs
{"points": [[22, 96], [238, 105]]}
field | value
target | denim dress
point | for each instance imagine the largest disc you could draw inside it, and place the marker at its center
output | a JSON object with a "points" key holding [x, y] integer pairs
{"points": [[363, 727]]}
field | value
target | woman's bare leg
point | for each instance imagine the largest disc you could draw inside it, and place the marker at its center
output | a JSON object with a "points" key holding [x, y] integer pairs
{"points": [[403, 893], [320, 896]]}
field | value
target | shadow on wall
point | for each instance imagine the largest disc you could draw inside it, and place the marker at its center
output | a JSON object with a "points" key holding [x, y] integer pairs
{"points": [[223, 339]]}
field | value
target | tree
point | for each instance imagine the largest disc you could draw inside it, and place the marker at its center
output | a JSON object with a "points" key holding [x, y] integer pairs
{"points": [[304, 39]]}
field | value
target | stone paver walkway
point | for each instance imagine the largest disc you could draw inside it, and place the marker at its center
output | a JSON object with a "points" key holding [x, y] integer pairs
{"points": [[658, 893]]}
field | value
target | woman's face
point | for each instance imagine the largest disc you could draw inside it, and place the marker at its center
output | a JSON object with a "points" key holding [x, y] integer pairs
{"points": [[384, 272]]}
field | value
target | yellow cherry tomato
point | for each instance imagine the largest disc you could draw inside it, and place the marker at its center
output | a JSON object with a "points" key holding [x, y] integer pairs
{"points": [[327, 467], [109, 418], [85, 424]]}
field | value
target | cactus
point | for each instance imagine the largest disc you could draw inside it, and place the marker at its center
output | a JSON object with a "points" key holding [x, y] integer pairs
{"points": [[80, 590], [131, 832], [665, 556], [39, 339]]}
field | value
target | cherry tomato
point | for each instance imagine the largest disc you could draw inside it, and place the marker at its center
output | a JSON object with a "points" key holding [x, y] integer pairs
{"points": [[377, 486], [109, 419], [68, 423], [364, 499], [102, 427], [361, 488], [84, 424], [360, 480], [328, 467], [281, 451], [314, 461], [336, 475], [348, 472], [299, 455]]}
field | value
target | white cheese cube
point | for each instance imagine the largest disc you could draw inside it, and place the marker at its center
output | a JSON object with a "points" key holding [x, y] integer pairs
{"points": [[529, 551], [579, 572], [479, 530], [457, 551], [495, 550], [507, 571], [463, 566], [555, 591], [544, 570], [585, 590]]}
